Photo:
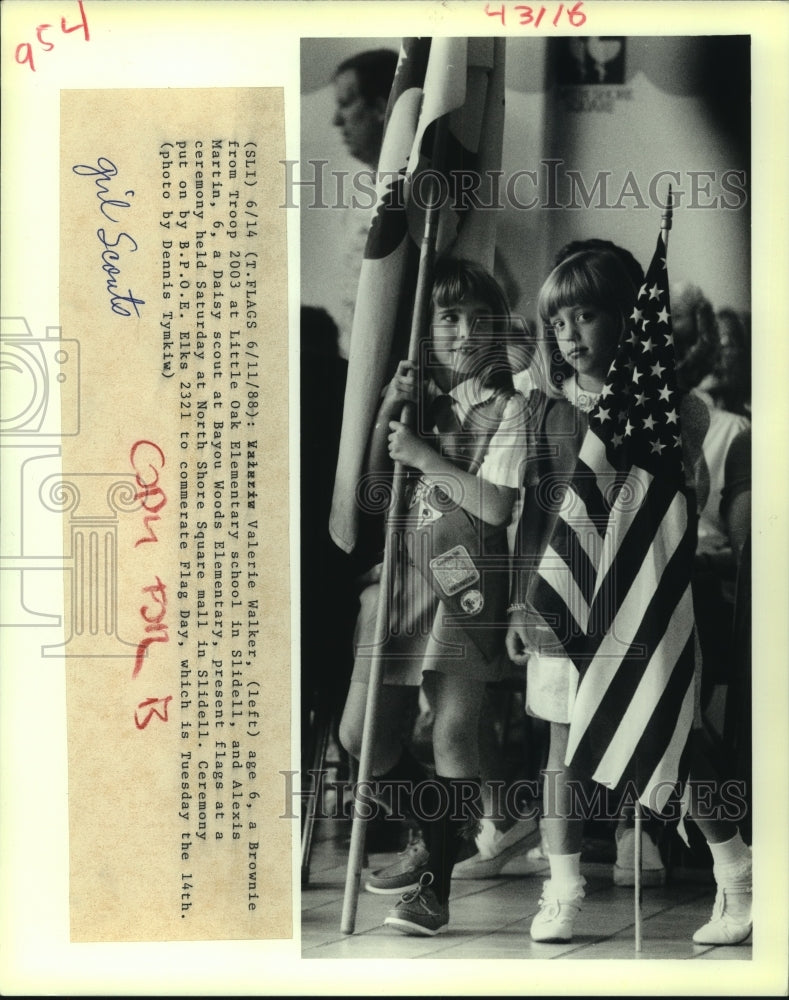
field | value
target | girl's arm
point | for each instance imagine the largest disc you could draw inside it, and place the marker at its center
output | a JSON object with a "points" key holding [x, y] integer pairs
{"points": [[485, 500]]}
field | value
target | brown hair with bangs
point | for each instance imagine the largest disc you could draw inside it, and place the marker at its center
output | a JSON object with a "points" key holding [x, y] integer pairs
{"points": [[456, 280], [589, 278]]}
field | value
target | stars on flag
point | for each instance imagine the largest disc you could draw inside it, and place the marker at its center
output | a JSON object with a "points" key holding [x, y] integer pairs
{"points": [[640, 399]]}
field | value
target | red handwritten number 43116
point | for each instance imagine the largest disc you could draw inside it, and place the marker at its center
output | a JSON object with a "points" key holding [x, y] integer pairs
{"points": [[528, 15], [24, 51]]}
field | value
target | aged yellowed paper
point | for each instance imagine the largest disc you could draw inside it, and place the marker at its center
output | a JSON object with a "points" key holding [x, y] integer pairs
{"points": [[173, 276]]}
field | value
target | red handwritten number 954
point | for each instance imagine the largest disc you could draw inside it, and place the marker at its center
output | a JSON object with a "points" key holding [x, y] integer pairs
{"points": [[24, 51]]}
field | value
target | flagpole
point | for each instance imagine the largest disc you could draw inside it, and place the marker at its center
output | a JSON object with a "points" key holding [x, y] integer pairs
{"points": [[419, 323], [666, 217], [637, 880]]}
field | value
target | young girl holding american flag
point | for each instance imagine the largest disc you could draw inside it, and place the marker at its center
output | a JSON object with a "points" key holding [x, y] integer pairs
{"points": [[603, 613]]}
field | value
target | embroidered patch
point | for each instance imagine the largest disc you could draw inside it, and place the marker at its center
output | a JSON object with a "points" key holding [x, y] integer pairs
{"points": [[428, 512], [454, 570], [472, 601]]}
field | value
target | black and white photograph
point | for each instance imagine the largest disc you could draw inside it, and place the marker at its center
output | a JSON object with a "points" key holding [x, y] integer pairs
{"points": [[394, 507], [526, 497]]}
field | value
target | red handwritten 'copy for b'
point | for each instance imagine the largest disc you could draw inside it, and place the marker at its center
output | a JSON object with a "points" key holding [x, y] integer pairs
{"points": [[147, 460]]}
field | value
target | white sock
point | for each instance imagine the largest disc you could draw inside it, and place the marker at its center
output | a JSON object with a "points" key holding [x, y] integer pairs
{"points": [[732, 862], [566, 872]]}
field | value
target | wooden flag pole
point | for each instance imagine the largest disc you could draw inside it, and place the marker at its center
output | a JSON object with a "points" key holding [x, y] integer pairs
{"points": [[637, 880], [665, 228], [419, 324]]}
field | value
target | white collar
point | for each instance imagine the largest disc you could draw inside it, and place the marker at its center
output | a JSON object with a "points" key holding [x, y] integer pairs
{"points": [[581, 399]]}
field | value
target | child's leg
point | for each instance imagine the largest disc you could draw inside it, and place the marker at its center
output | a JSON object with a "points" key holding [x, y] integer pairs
{"points": [[449, 804], [396, 772], [563, 827], [456, 702], [394, 703], [731, 917], [503, 832], [456, 705]]}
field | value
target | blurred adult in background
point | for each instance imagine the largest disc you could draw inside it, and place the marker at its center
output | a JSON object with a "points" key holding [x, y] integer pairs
{"points": [[729, 383], [362, 84], [361, 89], [696, 339], [328, 604]]}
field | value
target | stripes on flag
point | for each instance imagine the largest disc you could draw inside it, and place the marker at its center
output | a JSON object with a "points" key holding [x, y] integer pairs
{"points": [[614, 584], [462, 78]]}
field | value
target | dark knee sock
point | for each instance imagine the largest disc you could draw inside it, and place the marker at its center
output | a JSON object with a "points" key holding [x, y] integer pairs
{"points": [[454, 806], [396, 788]]}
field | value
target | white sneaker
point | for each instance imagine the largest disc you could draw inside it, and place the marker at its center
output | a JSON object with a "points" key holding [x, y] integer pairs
{"points": [[725, 926], [653, 871], [558, 910], [494, 849], [731, 921]]}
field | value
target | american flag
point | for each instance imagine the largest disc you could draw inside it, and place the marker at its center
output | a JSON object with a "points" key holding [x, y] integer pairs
{"points": [[614, 584], [462, 78]]}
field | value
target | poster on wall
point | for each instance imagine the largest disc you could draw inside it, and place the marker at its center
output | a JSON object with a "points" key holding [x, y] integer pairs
{"points": [[281, 710]]}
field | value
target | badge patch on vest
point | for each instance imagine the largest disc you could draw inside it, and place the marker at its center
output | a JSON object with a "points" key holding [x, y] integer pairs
{"points": [[427, 511], [454, 570], [472, 601]]}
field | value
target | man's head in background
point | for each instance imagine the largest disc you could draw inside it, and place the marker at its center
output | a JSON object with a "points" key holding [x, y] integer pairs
{"points": [[362, 84]]}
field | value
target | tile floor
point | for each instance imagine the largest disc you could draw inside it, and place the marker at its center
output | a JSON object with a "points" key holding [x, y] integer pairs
{"points": [[490, 918]]}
